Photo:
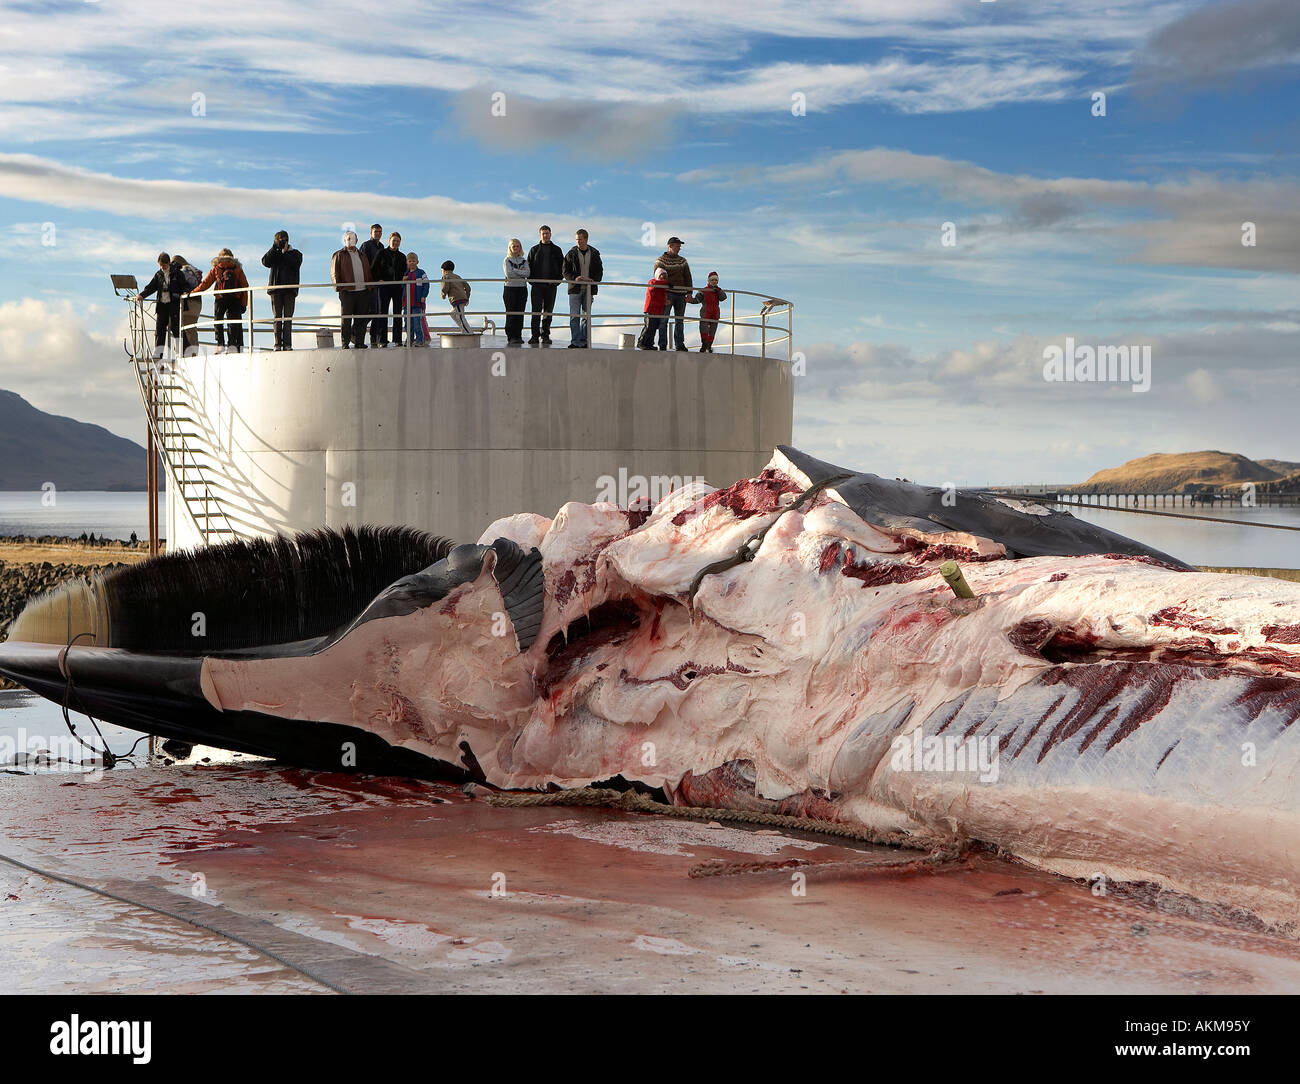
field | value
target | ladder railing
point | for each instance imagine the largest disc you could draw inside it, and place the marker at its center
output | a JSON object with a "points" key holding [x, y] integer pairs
{"points": [[167, 413]]}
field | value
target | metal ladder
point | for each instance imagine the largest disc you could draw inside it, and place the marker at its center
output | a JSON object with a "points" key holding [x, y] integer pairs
{"points": [[185, 451], [191, 457]]}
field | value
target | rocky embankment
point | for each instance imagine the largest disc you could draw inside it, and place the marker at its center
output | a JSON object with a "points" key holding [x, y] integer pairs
{"points": [[30, 566]]}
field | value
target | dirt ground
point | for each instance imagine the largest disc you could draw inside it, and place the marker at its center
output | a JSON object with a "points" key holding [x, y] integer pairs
{"points": [[69, 553]]}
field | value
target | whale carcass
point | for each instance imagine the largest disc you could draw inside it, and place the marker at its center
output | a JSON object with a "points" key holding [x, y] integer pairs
{"points": [[785, 643]]}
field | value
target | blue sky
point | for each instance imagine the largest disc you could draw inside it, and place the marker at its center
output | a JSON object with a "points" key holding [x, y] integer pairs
{"points": [[922, 359]]}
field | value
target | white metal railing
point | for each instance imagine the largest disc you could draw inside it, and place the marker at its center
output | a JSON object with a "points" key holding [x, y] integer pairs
{"points": [[176, 421], [772, 318]]}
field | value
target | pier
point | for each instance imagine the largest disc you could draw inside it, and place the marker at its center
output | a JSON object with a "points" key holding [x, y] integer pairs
{"points": [[1229, 497]]}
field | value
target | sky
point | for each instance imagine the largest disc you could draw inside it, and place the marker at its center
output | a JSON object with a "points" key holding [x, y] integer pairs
{"points": [[936, 185]]}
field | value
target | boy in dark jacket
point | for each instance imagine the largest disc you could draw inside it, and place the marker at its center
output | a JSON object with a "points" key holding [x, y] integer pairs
{"points": [[169, 285], [656, 300], [284, 261], [711, 297]]}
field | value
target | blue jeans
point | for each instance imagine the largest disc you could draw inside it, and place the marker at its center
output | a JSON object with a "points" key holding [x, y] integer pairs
{"points": [[579, 317], [654, 325], [677, 305]]}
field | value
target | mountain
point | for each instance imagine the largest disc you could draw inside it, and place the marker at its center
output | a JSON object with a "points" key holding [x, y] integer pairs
{"points": [[36, 448], [1184, 472]]}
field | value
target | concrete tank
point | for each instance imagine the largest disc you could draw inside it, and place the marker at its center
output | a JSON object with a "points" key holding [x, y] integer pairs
{"points": [[450, 440]]}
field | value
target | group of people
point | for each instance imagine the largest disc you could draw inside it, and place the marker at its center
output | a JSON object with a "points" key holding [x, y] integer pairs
{"points": [[669, 291], [378, 283], [368, 274], [177, 281]]}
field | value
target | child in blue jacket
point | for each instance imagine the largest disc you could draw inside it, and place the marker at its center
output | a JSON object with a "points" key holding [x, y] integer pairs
{"points": [[414, 293]]}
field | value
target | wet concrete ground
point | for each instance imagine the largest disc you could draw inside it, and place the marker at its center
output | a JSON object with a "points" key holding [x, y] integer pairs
{"points": [[315, 882]]}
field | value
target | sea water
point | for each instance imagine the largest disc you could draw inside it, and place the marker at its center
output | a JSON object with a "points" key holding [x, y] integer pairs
{"points": [[116, 515], [1215, 543], [34, 737], [67, 513]]}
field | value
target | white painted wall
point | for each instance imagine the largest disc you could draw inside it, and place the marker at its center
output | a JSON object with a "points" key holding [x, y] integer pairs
{"points": [[436, 439]]}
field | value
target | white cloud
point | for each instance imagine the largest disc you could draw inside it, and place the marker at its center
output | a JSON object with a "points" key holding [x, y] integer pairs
{"points": [[52, 360], [1194, 221], [128, 69], [41, 180]]}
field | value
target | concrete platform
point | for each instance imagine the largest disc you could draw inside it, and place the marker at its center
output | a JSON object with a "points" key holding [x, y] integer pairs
{"points": [[450, 440], [312, 882]]}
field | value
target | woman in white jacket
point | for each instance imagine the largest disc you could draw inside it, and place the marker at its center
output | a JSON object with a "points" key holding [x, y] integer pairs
{"points": [[515, 294]]}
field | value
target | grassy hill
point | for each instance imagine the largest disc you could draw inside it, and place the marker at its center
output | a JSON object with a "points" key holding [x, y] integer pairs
{"points": [[36, 448], [1184, 472]]}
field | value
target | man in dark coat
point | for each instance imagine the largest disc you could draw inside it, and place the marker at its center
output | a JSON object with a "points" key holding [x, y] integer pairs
{"points": [[545, 261], [388, 267], [284, 261], [582, 270], [168, 284], [370, 248]]}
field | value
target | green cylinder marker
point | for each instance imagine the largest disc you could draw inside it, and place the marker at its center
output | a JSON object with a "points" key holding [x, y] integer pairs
{"points": [[951, 573]]}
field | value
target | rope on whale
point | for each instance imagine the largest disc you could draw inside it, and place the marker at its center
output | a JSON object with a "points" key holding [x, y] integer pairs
{"points": [[748, 549], [630, 801]]}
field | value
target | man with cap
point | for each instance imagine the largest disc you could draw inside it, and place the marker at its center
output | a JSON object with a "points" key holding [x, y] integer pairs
{"points": [[679, 287]]}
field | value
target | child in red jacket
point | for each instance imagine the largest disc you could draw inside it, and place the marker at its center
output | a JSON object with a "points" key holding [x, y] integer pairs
{"points": [[656, 296], [711, 297]]}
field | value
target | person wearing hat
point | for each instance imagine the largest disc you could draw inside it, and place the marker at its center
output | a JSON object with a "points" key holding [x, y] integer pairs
{"points": [[711, 298], [679, 287], [656, 293]]}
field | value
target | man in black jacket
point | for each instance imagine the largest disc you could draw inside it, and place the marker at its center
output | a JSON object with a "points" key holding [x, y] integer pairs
{"points": [[284, 262], [582, 270], [169, 285], [545, 261], [370, 248], [387, 266]]}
